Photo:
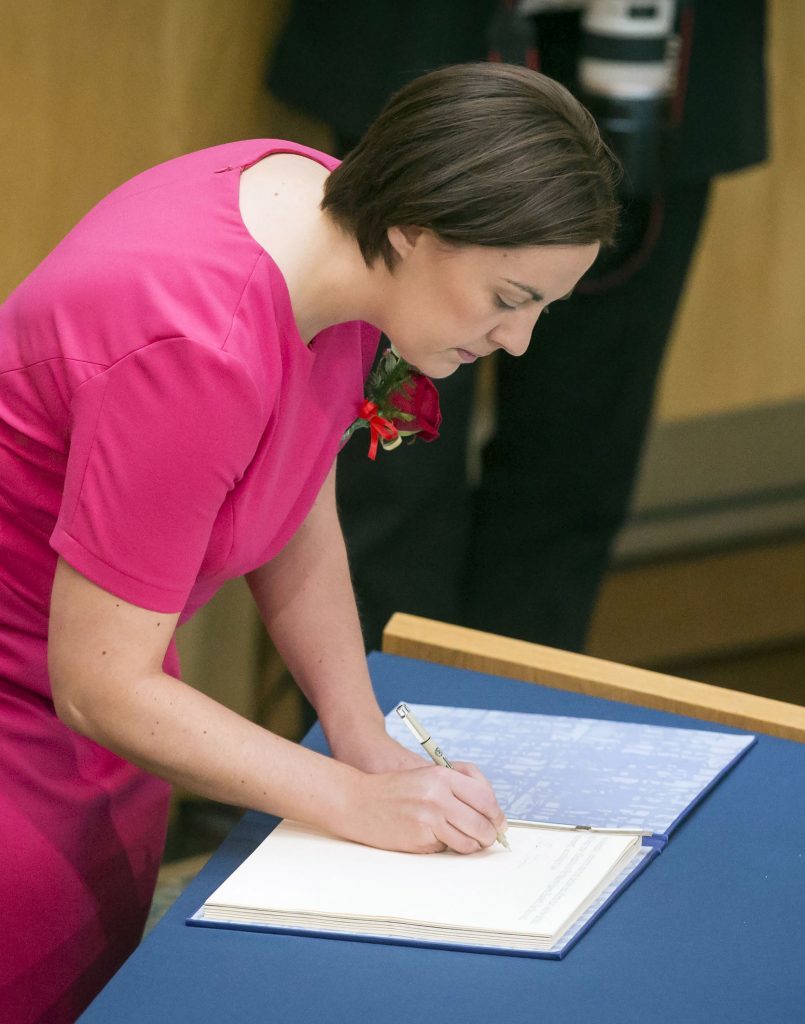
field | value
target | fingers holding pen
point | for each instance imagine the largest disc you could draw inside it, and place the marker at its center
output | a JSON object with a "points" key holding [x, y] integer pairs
{"points": [[427, 809], [459, 809], [480, 800]]}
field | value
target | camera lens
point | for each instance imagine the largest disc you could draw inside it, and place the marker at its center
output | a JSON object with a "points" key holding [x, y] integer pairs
{"points": [[627, 73]]}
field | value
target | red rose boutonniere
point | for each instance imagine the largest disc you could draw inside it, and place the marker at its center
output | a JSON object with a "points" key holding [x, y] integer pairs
{"points": [[400, 403]]}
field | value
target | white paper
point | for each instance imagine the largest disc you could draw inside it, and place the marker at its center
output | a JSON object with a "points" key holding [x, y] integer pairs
{"points": [[300, 875]]}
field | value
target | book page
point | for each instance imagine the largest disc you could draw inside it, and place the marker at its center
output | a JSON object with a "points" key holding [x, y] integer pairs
{"points": [[538, 888]]}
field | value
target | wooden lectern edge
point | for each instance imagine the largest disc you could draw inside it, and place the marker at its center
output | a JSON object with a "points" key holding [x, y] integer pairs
{"points": [[415, 637]]}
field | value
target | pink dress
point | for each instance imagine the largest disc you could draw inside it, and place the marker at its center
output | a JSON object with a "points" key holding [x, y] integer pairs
{"points": [[163, 428]]}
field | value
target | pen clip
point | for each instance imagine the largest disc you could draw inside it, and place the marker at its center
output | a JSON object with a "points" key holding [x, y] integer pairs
{"points": [[406, 714]]}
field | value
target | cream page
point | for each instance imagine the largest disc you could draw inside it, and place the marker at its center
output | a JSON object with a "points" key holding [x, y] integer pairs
{"points": [[534, 889]]}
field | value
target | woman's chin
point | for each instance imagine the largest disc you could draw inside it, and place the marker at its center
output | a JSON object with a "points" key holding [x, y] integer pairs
{"points": [[441, 372], [436, 369], [436, 366]]}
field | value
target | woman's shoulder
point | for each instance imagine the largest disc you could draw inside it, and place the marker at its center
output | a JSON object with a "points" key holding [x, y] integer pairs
{"points": [[230, 156]]}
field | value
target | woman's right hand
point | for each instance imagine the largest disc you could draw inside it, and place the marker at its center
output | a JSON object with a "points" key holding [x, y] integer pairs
{"points": [[424, 810]]}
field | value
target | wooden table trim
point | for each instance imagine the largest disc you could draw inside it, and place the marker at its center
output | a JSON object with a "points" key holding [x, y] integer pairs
{"points": [[416, 637]]}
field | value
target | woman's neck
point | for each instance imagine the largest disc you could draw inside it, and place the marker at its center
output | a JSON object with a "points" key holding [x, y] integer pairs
{"points": [[327, 278]]}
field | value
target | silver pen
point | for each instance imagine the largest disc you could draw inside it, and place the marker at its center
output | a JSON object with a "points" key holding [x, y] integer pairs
{"points": [[430, 747], [586, 828]]}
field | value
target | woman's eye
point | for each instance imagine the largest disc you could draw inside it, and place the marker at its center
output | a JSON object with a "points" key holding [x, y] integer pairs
{"points": [[503, 305]]}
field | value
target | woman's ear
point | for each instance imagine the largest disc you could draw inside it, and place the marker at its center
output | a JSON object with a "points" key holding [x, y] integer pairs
{"points": [[403, 240]]}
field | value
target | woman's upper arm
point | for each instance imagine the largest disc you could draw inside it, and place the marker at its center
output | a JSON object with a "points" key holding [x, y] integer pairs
{"points": [[320, 527], [157, 443], [97, 642]]}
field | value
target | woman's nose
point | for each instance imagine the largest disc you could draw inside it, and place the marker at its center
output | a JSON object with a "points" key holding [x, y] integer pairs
{"points": [[514, 336]]}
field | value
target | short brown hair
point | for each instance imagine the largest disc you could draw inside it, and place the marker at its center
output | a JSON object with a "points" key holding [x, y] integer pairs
{"points": [[480, 154]]}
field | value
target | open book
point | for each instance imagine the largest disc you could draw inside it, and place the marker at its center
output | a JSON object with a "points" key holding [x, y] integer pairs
{"points": [[537, 899], [523, 899]]}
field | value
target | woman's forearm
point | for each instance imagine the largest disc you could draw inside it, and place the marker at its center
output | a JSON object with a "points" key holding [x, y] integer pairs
{"points": [[105, 661], [185, 737]]}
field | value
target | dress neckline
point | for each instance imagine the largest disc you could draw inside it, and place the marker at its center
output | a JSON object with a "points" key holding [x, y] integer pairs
{"points": [[283, 292]]}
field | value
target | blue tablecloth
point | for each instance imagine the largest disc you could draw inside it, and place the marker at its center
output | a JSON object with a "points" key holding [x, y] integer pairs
{"points": [[712, 931]]}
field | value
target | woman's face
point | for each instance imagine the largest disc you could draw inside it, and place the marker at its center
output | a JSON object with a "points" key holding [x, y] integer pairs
{"points": [[446, 305]]}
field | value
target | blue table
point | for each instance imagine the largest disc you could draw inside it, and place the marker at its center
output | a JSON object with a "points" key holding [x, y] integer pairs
{"points": [[712, 931]]}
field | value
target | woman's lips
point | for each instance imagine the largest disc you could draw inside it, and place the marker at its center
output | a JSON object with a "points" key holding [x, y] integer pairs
{"points": [[465, 356]]}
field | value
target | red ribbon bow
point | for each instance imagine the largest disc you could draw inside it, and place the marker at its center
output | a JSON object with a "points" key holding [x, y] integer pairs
{"points": [[378, 426]]}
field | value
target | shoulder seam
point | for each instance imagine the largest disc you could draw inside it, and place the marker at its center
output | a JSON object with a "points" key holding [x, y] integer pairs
{"points": [[54, 359], [237, 305], [233, 360]]}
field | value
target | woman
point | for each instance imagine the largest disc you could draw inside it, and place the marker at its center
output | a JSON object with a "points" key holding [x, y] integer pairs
{"points": [[177, 378]]}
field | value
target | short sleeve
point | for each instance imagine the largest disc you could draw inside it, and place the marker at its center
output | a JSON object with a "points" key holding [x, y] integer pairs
{"points": [[158, 440]]}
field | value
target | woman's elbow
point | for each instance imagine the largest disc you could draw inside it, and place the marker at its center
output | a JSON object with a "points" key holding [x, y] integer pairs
{"points": [[70, 700]]}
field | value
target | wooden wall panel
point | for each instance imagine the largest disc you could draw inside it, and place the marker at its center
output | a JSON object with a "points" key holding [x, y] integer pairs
{"points": [[94, 91], [740, 337]]}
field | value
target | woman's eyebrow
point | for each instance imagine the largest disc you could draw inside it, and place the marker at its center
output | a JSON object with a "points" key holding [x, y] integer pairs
{"points": [[537, 296], [526, 288]]}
